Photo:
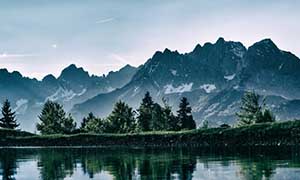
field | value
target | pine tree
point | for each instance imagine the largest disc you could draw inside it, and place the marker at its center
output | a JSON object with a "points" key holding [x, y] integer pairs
{"points": [[171, 121], [184, 115], [158, 119], [251, 109], [266, 116], [121, 119], [68, 125], [95, 125], [52, 118], [9, 119], [85, 121], [145, 113]]}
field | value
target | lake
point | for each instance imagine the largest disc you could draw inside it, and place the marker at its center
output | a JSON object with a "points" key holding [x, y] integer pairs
{"points": [[151, 163]]}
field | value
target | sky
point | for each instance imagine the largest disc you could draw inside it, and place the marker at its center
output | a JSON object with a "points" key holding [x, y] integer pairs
{"points": [[39, 37]]}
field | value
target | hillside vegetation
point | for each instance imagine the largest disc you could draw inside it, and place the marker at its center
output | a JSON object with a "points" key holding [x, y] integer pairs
{"points": [[264, 134]]}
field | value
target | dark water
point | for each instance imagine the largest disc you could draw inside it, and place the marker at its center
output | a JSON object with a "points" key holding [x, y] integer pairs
{"points": [[122, 163]]}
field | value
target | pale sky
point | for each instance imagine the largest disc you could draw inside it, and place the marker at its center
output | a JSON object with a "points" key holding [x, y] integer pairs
{"points": [[38, 37]]}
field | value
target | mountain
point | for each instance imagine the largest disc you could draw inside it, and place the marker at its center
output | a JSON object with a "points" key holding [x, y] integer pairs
{"points": [[73, 86], [213, 77]]}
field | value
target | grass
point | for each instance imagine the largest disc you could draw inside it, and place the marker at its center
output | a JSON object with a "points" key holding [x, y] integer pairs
{"points": [[267, 134]]}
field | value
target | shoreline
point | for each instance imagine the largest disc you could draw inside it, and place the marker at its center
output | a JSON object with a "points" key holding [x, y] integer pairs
{"points": [[278, 134]]}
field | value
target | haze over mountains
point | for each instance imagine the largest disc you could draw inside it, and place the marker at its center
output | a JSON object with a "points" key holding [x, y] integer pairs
{"points": [[213, 77]]}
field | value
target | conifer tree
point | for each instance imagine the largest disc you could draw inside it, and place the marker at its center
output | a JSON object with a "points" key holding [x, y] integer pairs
{"points": [[68, 124], [251, 109], [54, 121], [158, 119], [85, 121], [266, 116], [172, 123], [184, 115], [121, 119], [95, 125], [145, 113], [8, 119]]}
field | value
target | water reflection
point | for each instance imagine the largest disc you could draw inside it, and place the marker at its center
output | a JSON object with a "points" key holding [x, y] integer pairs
{"points": [[123, 164]]}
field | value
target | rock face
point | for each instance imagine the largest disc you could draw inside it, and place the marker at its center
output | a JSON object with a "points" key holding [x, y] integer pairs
{"points": [[213, 77], [73, 86]]}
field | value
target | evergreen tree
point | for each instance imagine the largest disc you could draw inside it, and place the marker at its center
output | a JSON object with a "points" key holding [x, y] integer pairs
{"points": [[68, 125], [53, 119], [266, 116], [145, 113], [94, 125], [171, 121], [184, 115], [251, 109], [121, 120], [85, 122], [159, 121], [9, 119]]}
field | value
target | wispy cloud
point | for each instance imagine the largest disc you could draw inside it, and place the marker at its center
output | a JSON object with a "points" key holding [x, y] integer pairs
{"points": [[101, 21], [119, 58], [8, 56]]}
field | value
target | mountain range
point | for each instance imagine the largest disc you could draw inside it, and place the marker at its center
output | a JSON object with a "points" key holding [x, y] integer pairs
{"points": [[213, 77], [73, 86]]}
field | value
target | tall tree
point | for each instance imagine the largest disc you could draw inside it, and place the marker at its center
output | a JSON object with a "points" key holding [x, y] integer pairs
{"points": [[159, 121], [251, 110], [54, 121], [170, 119], [184, 115], [121, 119], [145, 113], [9, 118]]}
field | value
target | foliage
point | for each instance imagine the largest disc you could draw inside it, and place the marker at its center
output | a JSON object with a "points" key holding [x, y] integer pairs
{"points": [[9, 118], [121, 120], [85, 121], [184, 115], [253, 110], [205, 124], [95, 125], [145, 113], [54, 121]]}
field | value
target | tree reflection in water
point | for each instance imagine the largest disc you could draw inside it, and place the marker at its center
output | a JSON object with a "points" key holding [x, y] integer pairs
{"points": [[125, 163]]}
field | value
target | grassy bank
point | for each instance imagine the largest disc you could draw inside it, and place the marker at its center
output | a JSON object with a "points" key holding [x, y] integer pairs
{"points": [[268, 134]]}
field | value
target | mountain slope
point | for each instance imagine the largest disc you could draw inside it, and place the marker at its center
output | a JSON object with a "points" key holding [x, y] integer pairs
{"points": [[213, 77], [74, 85]]}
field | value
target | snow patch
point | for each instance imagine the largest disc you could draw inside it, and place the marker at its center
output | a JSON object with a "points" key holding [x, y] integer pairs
{"points": [[229, 77], [169, 89], [174, 72], [208, 88], [64, 94]]}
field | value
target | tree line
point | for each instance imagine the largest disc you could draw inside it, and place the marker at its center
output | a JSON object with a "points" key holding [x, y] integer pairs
{"points": [[150, 116]]}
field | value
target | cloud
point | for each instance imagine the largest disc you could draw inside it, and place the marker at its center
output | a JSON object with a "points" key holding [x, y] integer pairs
{"points": [[119, 58], [101, 21], [54, 46], [8, 56]]}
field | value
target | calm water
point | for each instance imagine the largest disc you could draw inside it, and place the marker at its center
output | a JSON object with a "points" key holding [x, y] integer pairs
{"points": [[120, 163]]}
